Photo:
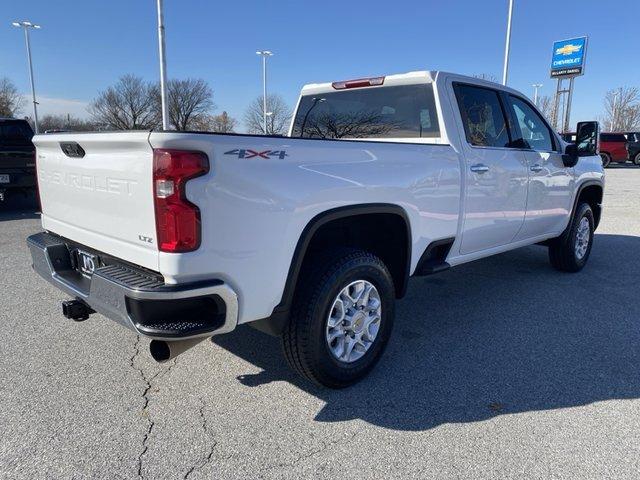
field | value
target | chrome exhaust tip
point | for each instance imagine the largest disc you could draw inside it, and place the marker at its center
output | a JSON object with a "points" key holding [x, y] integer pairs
{"points": [[163, 351]]}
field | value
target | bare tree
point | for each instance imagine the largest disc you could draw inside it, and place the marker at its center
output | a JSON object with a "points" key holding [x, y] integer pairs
{"points": [[356, 124], [223, 123], [277, 120], [130, 104], [65, 122], [545, 105], [11, 102], [190, 103], [622, 109]]}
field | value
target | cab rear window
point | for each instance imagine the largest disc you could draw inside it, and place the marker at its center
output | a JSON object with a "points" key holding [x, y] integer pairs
{"points": [[406, 111]]}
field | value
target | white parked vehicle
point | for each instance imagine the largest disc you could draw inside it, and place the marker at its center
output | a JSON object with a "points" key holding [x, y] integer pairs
{"points": [[181, 236]]}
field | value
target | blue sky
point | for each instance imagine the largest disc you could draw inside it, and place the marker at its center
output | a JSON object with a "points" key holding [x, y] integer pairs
{"points": [[84, 46]]}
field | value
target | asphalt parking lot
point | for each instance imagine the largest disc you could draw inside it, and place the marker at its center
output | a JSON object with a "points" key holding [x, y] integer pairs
{"points": [[503, 368]]}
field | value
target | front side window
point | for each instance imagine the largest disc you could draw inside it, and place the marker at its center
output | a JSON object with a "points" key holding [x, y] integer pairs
{"points": [[535, 132], [482, 116], [406, 111]]}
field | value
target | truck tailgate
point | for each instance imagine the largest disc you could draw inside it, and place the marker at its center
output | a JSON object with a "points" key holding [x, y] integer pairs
{"points": [[102, 199]]}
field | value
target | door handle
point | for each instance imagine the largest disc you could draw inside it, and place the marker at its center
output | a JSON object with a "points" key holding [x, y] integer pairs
{"points": [[479, 168], [535, 168]]}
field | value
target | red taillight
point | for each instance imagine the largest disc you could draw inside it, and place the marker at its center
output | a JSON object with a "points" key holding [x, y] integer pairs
{"points": [[177, 219], [360, 82]]}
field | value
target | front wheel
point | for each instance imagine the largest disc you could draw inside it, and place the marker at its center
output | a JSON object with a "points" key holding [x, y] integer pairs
{"points": [[606, 159], [341, 319], [570, 251], [636, 159]]}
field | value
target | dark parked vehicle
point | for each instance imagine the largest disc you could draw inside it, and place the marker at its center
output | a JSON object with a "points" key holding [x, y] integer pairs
{"points": [[633, 147], [17, 157], [632, 136], [613, 148], [633, 151]]}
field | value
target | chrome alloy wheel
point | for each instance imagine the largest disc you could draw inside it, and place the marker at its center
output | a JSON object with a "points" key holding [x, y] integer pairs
{"points": [[354, 321], [582, 238]]}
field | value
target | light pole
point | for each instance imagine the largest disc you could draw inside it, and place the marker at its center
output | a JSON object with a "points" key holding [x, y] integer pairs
{"points": [[264, 54], [507, 45], [536, 86], [26, 26], [163, 69], [614, 112]]}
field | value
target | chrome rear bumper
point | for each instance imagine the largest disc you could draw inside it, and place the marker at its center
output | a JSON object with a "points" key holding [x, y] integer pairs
{"points": [[135, 298]]}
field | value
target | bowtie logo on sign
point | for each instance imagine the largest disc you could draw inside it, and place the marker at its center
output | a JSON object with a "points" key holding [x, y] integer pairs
{"points": [[266, 154], [568, 49]]}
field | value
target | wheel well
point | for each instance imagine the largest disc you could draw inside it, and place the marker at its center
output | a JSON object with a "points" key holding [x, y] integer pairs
{"points": [[382, 229], [592, 194], [386, 235]]}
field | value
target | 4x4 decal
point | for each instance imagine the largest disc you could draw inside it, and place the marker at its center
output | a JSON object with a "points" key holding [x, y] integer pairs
{"points": [[246, 153]]}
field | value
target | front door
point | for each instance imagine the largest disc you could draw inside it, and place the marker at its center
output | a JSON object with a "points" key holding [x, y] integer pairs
{"points": [[496, 174]]}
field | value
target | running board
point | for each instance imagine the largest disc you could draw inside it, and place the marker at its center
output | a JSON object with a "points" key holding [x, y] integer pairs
{"points": [[431, 268]]}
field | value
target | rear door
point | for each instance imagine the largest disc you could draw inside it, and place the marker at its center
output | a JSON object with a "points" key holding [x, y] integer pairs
{"points": [[615, 145], [550, 191], [496, 174], [619, 148], [96, 189]]}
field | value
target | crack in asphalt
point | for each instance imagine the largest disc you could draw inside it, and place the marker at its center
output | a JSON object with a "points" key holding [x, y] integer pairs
{"points": [[145, 396], [207, 458], [145, 403], [305, 456]]}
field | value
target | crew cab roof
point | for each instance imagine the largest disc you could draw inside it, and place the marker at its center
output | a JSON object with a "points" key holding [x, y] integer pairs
{"points": [[409, 78]]}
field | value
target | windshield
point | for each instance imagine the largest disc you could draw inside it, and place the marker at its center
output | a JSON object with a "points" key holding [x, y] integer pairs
{"points": [[406, 111], [17, 132]]}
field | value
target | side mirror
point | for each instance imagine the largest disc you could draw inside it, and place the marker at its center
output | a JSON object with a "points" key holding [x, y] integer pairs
{"points": [[587, 143], [588, 139]]}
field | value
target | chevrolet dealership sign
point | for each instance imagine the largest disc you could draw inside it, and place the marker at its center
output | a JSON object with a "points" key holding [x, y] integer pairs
{"points": [[569, 57]]}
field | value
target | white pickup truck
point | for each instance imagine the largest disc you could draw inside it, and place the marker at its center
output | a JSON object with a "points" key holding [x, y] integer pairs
{"points": [[181, 236]]}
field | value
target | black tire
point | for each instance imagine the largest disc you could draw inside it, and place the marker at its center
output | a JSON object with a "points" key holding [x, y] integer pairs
{"points": [[606, 159], [304, 339], [636, 159], [562, 250]]}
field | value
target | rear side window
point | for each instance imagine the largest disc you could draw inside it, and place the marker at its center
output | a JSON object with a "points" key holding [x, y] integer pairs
{"points": [[16, 132], [482, 116], [535, 132], [406, 111], [612, 137]]}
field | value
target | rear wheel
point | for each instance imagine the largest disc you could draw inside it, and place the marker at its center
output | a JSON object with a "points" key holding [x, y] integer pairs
{"points": [[570, 251], [636, 159], [341, 319], [606, 159]]}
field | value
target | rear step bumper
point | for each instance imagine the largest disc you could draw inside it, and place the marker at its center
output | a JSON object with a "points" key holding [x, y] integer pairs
{"points": [[135, 298]]}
